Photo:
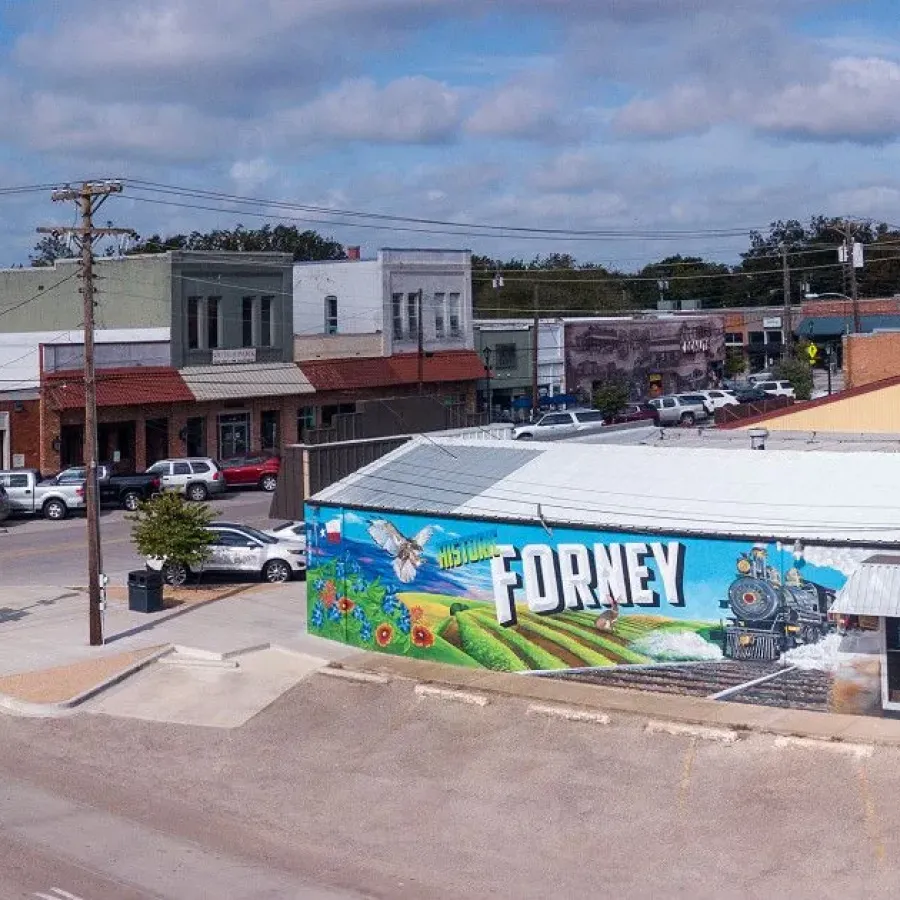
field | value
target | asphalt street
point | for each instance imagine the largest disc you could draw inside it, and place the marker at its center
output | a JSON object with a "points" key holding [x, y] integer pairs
{"points": [[341, 789], [39, 552]]}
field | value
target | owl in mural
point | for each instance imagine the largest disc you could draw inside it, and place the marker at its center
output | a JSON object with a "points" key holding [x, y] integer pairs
{"points": [[407, 552]]}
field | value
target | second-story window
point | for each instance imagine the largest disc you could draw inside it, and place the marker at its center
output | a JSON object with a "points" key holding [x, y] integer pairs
{"points": [[213, 332], [453, 315], [267, 323], [331, 314], [440, 316], [505, 356], [247, 305], [412, 313], [193, 323], [397, 315]]}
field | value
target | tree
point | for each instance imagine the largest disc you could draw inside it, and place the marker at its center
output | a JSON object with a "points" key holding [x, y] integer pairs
{"points": [[611, 397], [797, 370], [302, 245], [169, 528], [48, 249]]}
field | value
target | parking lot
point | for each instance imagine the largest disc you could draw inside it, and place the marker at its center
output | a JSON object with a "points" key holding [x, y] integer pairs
{"points": [[35, 551]]}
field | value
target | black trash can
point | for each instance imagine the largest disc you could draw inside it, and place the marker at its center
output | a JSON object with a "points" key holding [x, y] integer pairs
{"points": [[145, 591]]}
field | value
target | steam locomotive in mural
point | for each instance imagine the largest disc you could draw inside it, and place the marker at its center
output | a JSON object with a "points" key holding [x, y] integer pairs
{"points": [[771, 612]]}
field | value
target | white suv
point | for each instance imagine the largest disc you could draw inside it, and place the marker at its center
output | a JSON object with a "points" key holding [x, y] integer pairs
{"points": [[776, 388], [557, 424], [680, 409], [197, 478], [718, 398]]}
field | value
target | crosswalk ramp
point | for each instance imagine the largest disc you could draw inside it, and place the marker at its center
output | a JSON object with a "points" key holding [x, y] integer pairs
{"points": [[56, 893]]}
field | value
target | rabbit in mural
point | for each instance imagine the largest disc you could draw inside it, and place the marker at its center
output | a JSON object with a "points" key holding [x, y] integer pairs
{"points": [[607, 619], [407, 552]]}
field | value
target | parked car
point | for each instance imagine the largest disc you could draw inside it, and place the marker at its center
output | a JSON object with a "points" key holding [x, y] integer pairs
{"points": [[289, 531], [126, 491], [196, 478], [260, 471], [559, 424], [718, 398], [30, 494], [698, 398], [4, 504], [777, 388], [240, 549], [636, 412], [750, 395], [756, 377], [677, 410]]}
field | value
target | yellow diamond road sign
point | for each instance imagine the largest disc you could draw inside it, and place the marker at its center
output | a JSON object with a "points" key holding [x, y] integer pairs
{"points": [[812, 351]]}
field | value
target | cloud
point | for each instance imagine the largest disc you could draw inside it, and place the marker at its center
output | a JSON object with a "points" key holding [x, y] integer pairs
{"points": [[413, 110], [857, 100], [522, 109]]}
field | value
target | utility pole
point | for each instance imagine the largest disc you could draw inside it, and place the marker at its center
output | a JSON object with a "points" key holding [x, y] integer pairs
{"points": [[421, 341], [89, 197], [849, 258], [787, 335], [486, 353], [535, 403]]}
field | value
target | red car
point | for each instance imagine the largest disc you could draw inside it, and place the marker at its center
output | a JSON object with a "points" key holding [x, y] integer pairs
{"points": [[637, 412], [251, 471]]}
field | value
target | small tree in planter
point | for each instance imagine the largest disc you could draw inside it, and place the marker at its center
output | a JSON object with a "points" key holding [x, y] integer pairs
{"points": [[170, 529], [611, 397]]}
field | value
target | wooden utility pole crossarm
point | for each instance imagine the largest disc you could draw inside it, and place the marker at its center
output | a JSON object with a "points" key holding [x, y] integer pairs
{"points": [[89, 197]]}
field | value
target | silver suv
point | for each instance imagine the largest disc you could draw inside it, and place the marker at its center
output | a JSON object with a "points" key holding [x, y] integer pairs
{"points": [[196, 478], [686, 409], [559, 424]]}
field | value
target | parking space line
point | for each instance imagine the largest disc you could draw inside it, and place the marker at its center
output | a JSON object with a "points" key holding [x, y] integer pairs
{"points": [[686, 770], [870, 813]]}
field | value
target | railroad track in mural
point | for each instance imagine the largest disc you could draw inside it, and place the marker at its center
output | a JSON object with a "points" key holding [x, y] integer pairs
{"points": [[794, 688]]}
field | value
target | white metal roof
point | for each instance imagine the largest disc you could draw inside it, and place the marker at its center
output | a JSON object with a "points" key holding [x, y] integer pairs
{"points": [[824, 496], [235, 382], [872, 590]]}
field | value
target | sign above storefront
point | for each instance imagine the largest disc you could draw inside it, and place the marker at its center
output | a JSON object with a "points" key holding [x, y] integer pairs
{"points": [[240, 355], [772, 322]]}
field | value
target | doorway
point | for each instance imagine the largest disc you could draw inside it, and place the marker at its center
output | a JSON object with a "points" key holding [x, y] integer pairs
{"points": [[156, 441], [116, 445], [234, 435], [71, 446]]}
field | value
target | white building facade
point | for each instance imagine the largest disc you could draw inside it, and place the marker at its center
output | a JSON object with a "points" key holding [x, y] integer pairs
{"points": [[339, 305]]}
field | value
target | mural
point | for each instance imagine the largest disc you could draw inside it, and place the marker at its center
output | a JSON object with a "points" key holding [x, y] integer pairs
{"points": [[516, 598], [667, 355]]}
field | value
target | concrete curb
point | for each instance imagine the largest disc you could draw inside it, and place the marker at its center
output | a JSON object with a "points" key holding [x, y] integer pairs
{"points": [[34, 710], [723, 716]]}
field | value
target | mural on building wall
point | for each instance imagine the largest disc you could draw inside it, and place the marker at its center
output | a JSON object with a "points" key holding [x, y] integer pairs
{"points": [[674, 354], [683, 614], [513, 597]]}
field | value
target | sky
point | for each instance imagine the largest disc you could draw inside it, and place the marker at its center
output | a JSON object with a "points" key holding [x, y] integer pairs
{"points": [[633, 116]]}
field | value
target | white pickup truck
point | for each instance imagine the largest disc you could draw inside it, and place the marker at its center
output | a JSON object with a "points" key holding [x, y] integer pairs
{"points": [[30, 495]]}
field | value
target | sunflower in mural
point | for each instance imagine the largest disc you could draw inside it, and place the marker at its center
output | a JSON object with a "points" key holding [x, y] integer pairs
{"points": [[383, 634], [422, 636]]}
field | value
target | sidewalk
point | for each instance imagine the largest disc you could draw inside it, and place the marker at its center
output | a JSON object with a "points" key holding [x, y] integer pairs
{"points": [[46, 628], [732, 718]]}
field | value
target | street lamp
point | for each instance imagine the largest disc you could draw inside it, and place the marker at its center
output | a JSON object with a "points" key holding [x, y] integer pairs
{"points": [[486, 353]]}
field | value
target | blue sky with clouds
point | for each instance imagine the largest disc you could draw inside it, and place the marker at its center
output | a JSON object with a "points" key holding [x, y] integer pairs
{"points": [[572, 114]]}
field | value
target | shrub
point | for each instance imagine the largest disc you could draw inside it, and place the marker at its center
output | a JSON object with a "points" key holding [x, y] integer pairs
{"points": [[611, 397], [169, 528]]}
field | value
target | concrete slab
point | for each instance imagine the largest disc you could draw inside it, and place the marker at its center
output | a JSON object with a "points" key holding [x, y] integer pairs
{"points": [[215, 697]]}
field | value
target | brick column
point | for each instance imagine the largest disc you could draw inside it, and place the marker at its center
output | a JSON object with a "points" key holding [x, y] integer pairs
{"points": [[140, 442]]}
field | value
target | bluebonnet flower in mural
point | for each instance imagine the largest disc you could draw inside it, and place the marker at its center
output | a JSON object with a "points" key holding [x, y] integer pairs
{"points": [[365, 632], [404, 623], [318, 614], [334, 614], [318, 584], [359, 614], [389, 604], [340, 570]]}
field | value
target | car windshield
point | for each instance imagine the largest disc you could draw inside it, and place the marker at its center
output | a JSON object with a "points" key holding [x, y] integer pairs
{"points": [[691, 398], [259, 535]]}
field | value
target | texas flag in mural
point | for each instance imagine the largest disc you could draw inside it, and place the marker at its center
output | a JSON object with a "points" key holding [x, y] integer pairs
{"points": [[333, 531]]}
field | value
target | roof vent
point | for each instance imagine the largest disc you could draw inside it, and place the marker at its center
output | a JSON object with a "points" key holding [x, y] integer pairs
{"points": [[758, 438]]}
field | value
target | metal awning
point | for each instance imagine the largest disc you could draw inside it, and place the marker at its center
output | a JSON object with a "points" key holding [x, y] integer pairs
{"points": [[872, 590], [835, 326]]}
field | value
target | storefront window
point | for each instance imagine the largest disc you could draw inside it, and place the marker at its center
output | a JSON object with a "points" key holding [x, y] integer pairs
{"points": [[269, 430]]}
